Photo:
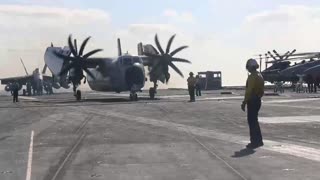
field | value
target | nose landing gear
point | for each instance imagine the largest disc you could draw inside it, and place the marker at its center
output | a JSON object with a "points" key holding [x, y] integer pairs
{"points": [[78, 95], [133, 96]]}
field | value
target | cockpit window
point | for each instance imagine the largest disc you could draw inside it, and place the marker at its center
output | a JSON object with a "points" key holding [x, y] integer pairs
{"points": [[136, 60], [127, 60]]}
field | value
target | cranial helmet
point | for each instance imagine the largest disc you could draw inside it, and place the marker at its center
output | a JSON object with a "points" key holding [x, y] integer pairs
{"points": [[191, 73], [252, 63]]}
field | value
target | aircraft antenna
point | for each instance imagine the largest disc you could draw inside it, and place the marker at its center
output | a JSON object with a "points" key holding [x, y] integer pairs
{"points": [[119, 48], [260, 61], [25, 69]]}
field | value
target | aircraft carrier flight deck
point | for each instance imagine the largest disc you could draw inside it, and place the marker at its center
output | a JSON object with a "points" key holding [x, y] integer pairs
{"points": [[106, 136]]}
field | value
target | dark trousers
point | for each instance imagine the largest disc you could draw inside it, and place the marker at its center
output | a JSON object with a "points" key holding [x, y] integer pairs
{"points": [[198, 91], [253, 107], [311, 88], [191, 93], [15, 96]]}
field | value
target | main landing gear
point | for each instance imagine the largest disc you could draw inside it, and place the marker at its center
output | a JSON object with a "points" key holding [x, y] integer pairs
{"points": [[78, 95], [152, 93], [153, 90], [133, 96]]}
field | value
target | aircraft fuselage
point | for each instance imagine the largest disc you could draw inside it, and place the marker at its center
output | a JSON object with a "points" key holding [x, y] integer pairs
{"points": [[124, 73]]}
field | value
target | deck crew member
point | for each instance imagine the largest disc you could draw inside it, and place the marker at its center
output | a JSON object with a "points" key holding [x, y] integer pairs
{"points": [[198, 86], [253, 94], [191, 86]]}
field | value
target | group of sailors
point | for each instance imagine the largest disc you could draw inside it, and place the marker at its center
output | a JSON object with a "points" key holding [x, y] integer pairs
{"points": [[194, 86], [299, 87], [31, 90]]}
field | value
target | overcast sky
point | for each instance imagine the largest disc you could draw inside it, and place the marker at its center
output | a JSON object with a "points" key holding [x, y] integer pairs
{"points": [[221, 35]]}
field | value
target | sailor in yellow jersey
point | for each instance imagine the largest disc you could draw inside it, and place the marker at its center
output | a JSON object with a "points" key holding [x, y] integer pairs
{"points": [[252, 99]]}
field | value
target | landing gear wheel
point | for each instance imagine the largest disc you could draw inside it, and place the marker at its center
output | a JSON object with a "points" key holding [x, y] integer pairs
{"points": [[152, 93], [78, 95], [133, 97]]}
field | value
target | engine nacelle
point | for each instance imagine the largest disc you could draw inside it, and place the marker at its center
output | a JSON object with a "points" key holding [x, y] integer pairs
{"points": [[9, 87]]}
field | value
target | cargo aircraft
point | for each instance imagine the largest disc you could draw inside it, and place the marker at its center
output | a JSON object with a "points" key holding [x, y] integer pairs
{"points": [[122, 73]]}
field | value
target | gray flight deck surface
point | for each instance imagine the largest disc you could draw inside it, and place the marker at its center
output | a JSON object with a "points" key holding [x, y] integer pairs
{"points": [[105, 136]]}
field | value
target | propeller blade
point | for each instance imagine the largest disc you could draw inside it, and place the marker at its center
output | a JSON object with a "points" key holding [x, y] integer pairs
{"points": [[83, 45], [180, 60], [176, 69], [75, 46], [155, 50], [91, 53], [64, 57], [272, 56], [277, 54], [158, 44], [286, 54], [178, 50], [169, 44], [73, 51], [89, 73], [290, 54], [66, 69]]}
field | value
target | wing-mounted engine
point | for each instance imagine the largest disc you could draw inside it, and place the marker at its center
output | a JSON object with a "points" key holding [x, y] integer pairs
{"points": [[159, 61], [77, 63]]}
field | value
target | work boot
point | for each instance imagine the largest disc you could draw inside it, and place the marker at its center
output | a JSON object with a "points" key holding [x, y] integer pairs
{"points": [[255, 145]]}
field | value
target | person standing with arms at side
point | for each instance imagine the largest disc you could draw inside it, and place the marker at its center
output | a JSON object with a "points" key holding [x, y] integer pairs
{"points": [[15, 92], [253, 94], [198, 87], [191, 86]]}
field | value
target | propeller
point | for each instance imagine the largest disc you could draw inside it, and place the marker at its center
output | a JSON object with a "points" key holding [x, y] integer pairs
{"points": [[277, 54], [271, 55], [290, 54], [165, 59], [78, 62]]}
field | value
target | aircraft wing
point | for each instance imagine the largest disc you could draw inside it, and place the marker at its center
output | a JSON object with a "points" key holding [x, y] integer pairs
{"points": [[47, 78], [94, 62], [20, 79]]}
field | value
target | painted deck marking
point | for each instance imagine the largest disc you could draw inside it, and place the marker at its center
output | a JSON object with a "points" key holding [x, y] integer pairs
{"points": [[29, 167]]}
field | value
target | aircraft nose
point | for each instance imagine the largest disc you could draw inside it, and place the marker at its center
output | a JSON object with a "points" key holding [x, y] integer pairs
{"points": [[135, 75]]}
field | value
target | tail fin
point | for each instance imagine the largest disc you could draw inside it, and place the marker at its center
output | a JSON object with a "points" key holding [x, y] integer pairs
{"points": [[119, 48], [140, 49]]}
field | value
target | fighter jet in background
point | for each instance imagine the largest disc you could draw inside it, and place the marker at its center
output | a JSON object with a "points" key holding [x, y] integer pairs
{"points": [[282, 69], [35, 82], [123, 73]]}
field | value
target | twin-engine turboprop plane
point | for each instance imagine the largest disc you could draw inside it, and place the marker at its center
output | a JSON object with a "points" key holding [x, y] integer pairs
{"points": [[123, 73]]}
